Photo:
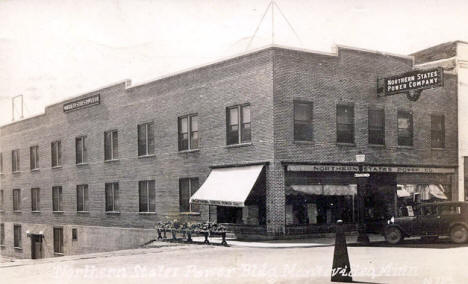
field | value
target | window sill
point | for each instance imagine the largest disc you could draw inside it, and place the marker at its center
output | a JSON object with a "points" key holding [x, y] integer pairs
{"points": [[189, 151], [303, 142], [56, 167], [58, 254], [36, 212], [190, 213], [82, 164], [35, 170], [147, 213], [83, 212], [346, 144], [405, 147], [112, 212], [238, 145], [2, 211], [18, 248], [16, 172], [147, 156], [2, 246], [438, 149], [111, 161], [377, 145], [17, 211], [57, 212]]}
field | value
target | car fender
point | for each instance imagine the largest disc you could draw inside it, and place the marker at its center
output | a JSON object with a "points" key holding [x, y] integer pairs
{"points": [[403, 231]]}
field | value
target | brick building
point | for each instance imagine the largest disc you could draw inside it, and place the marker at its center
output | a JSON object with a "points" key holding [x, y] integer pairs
{"points": [[274, 133]]}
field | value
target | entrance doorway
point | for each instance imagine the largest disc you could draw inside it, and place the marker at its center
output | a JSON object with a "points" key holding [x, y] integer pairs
{"points": [[36, 246]]}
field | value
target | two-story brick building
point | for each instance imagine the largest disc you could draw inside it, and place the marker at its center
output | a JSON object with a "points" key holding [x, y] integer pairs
{"points": [[266, 141]]}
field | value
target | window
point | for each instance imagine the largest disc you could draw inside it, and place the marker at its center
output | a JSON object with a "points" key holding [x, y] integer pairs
{"points": [[187, 187], [345, 124], [57, 199], [1, 163], [58, 240], [35, 199], [81, 153], [17, 236], [376, 126], [34, 157], [15, 161], [112, 197], [146, 139], [111, 145], [450, 210], [74, 234], [147, 196], [56, 148], [405, 128], [188, 132], [82, 198], [2, 234], [437, 131], [16, 199], [303, 114], [1, 200], [238, 124]]}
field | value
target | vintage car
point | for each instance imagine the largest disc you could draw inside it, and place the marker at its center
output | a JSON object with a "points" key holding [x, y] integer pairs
{"points": [[429, 221]]}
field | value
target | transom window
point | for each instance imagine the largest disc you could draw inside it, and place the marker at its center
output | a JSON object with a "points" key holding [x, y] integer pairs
{"points": [[147, 196], [238, 124], [15, 160], [187, 187], [405, 128], [303, 121], [82, 198], [56, 149], [376, 126], [437, 131], [34, 157], [35, 199], [112, 197], [81, 153], [188, 132], [146, 139], [111, 145], [345, 124]]}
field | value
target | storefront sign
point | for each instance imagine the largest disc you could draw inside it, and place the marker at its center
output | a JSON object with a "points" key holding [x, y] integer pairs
{"points": [[369, 169], [217, 202], [414, 80], [81, 103], [322, 168], [417, 170]]}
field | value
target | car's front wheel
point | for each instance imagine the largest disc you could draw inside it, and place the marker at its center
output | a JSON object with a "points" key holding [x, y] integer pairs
{"points": [[459, 234], [393, 235]]}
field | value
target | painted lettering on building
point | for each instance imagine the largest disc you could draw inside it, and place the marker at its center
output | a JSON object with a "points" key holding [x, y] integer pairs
{"points": [[81, 103]]}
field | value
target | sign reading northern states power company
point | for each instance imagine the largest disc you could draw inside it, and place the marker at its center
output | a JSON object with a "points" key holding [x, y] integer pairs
{"points": [[82, 103], [413, 80], [369, 169]]}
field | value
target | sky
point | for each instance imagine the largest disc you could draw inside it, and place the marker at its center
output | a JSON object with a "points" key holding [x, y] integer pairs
{"points": [[53, 50]]}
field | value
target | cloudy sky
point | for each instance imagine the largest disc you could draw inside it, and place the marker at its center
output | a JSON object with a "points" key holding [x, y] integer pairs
{"points": [[52, 50]]}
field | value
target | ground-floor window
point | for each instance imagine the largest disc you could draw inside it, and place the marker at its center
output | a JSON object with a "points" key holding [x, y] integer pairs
{"points": [[2, 234], [112, 197], [147, 196], [187, 187], [17, 236], [58, 240], [229, 214]]}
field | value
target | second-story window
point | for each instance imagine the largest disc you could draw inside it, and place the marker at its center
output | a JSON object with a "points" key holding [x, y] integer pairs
{"points": [[34, 157], [1, 163], [82, 198], [437, 131], [345, 124], [188, 132], [81, 153], [111, 145], [146, 139], [112, 197], [57, 199], [56, 148], [238, 124], [303, 127], [15, 160], [405, 128], [16, 199], [1, 200], [376, 126], [35, 199]]}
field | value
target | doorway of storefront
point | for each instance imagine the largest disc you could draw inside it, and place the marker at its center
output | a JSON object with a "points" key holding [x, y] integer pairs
{"points": [[36, 246]]}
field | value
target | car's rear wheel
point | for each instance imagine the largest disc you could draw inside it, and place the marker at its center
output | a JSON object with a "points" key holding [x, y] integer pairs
{"points": [[393, 235], [459, 234]]}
